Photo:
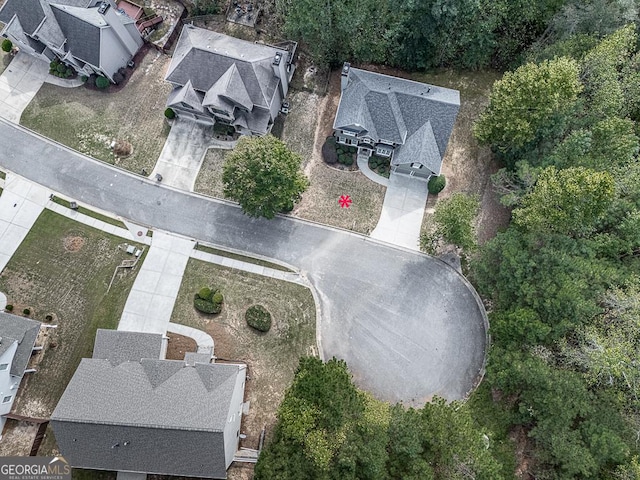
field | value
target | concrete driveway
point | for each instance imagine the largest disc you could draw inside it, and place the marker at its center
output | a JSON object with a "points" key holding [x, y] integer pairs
{"points": [[151, 299], [182, 155], [402, 211], [408, 325], [19, 83]]}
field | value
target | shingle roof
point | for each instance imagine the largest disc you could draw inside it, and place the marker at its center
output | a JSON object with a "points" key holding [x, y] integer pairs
{"points": [[203, 57], [118, 346], [82, 27], [394, 109], [163, 394], [21, 330], [186, 95], [229, 86], [29, 12]]}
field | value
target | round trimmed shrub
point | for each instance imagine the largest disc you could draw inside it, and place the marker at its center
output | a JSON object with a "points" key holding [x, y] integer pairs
{"points": [[205, 293], [102, 82], [329, 153], [258, 317], [436, 184], [7, 45], [118, 78], [169, 113], [348, 160], [26, 311], [68, 72], [61, 68], [9, 308], [217, 298]]}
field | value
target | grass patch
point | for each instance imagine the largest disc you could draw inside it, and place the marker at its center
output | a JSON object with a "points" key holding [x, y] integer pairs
{"points": [[209, 180], [272, 357], [243, 258], [88, 120], [62, 269], [90, 213]]}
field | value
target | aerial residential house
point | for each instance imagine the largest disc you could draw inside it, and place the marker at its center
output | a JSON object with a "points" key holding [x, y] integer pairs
{"points": [[90, 36], [17, 340], [221, 79], [406, 121], [128, 410]]}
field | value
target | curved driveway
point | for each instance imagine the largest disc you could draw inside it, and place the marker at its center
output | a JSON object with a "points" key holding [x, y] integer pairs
{"points": [[408, 325]]}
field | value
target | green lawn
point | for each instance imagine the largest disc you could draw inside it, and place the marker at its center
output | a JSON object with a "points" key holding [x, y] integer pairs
{"points": [[272, 357], [62, 270]]}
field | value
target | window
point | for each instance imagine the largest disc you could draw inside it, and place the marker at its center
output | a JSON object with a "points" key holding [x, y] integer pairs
{"points": [[416, 165], [6, 399], [348, 133], [4, 366]]}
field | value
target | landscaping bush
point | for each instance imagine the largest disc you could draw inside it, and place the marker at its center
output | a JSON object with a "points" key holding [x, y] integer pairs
{"points": [[217, 298], [26, 311], [53, 64], [91, 81], [118, 78], [68, 72], [436, 184], [84, 78], [122, 148], [329, 153], [61, 68], [169, 113], [7, 45], [258, 317], [102, 82], [205, 306], [205, 293], [348, 160], [9, 308]]}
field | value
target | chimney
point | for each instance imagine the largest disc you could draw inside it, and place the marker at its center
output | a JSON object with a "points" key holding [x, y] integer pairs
{"points": [[279, 66], [344, 80]]}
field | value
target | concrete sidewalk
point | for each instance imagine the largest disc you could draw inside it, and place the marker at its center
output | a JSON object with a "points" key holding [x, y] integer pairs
{"points": [[182, 155], [402, 211], [153, 295], [21, 203], [203, 339]]}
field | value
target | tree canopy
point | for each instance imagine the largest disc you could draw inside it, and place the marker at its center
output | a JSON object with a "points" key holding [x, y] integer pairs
{"points": [[263, 176]]}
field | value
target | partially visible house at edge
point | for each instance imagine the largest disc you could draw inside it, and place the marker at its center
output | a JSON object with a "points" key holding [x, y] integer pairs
{"points": [[221, 79], [128, 410], [91, 36], [408, 121], [17, 340]]}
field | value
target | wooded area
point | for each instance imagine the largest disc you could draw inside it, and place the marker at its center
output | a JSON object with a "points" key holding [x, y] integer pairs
{"points": [[562, 282]]}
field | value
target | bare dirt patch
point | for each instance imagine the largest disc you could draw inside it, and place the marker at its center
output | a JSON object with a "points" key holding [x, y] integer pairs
{"points": [[178, 345], [272, 357], [17, 438], [69, 287], [73, 243], [89, 121]]}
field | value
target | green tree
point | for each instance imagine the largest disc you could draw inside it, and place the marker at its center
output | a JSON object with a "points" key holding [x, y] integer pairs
{"points": [[529, 104], [263, 176], [568, 201], [454, 220]]}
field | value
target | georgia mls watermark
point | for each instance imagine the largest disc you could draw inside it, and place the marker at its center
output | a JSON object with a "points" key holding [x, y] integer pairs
{"points": [[34, 468]]}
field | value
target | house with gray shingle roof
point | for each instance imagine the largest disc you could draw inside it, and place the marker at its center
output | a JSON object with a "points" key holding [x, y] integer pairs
{"points": [[90, 36], [17, 338], [225, 80], [128, 410], [406, 121]]}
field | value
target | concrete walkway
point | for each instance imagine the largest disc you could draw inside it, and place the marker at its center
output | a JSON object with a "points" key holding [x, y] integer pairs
{"points": [[203, 339], [21, 203], [363, 165], [182, 155], [151, 299], [402, 211]]}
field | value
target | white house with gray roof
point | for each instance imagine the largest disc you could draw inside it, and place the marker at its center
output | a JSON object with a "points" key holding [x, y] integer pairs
{"points": [[128, 410], [17, 339], [408, 121], [222, 79], [90, 36]]}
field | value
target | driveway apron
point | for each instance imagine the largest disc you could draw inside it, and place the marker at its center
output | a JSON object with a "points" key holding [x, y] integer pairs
{"points": [[402, 211], [182, 155], [151, 299], [19, 83]]}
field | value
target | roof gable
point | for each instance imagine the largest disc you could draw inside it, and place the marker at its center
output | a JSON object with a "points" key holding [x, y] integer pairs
{"points": [[22, 330], [119, 346], [229, 86], [186, 95], [30, 13], [82, 29]]}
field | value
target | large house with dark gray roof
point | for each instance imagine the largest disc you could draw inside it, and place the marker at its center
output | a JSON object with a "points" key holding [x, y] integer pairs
{"points": [[128, 410], [409, 122], [90, 36], [17, 339], [225, 80]]}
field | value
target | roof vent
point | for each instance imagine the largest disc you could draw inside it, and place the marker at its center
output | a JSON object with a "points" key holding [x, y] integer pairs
{"points": [[277, 58], [104, 6]]}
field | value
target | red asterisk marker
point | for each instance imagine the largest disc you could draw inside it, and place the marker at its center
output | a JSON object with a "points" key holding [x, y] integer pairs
{"points": [[345, 201]]}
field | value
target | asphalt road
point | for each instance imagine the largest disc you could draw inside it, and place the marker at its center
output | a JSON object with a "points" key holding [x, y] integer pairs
{"points": [[409, 326]]}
